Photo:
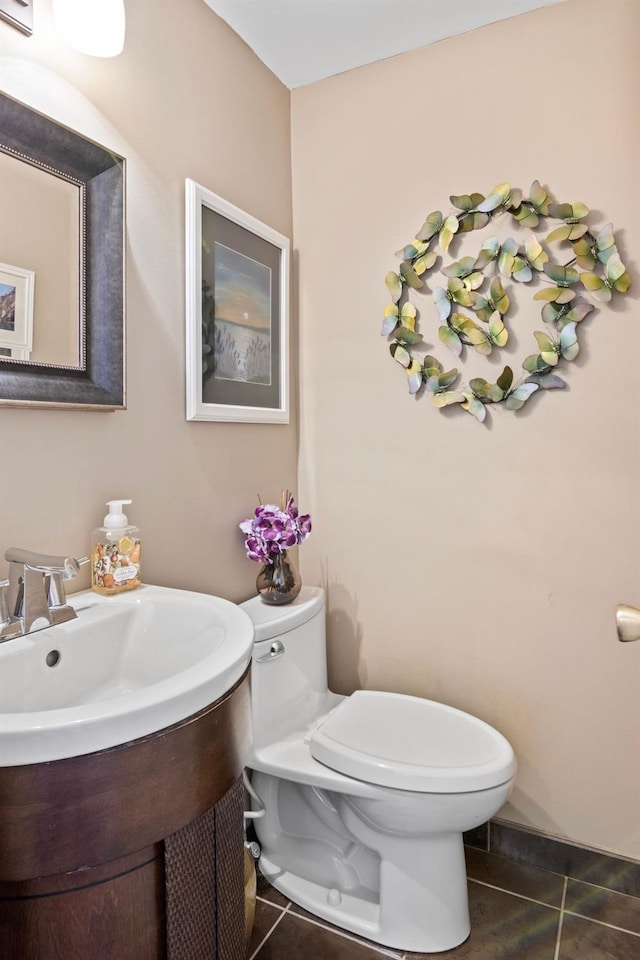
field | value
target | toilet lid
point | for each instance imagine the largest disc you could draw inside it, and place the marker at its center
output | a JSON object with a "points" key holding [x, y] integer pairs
{"points": [[412, 744]]}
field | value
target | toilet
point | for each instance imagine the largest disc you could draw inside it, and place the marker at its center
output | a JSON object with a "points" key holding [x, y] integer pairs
{"points": [[361, 801]]}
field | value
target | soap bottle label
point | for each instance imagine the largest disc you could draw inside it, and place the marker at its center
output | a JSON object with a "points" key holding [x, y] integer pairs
{"points": [[120, 574], [116, 564]]}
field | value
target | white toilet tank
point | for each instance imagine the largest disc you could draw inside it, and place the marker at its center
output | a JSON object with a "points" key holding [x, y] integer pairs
{"points": [[288, 685]]}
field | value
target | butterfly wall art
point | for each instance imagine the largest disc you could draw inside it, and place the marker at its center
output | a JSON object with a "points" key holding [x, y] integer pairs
{"points": [[471, 308]]}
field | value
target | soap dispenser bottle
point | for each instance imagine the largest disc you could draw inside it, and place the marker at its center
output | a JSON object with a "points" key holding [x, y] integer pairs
{"points": [[115, 553]]}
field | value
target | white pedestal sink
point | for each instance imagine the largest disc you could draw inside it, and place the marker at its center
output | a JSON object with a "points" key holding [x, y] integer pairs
{"points": [[127, 667]]}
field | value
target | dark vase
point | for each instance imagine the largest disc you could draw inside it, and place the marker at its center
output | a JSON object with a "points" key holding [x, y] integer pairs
{"points": [[279, 580]]}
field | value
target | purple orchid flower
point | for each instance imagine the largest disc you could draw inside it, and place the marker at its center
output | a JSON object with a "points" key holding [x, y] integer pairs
{"points": [[271, 531]]}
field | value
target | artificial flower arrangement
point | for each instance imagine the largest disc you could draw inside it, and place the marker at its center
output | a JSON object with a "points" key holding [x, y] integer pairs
{"points": [[269, 534], [273, 530]]}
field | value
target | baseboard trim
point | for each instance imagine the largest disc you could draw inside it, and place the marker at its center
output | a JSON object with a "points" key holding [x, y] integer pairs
{"points": [[565, 857]]}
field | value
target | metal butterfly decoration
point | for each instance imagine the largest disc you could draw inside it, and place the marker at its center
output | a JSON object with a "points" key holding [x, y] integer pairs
{"points": [[595, 263]]}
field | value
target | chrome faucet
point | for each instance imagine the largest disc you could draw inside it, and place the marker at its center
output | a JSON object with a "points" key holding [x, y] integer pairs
{"points": [[33, 597]]}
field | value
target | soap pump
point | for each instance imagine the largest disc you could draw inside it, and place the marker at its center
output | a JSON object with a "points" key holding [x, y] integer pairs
{"points": [[115, 552]]}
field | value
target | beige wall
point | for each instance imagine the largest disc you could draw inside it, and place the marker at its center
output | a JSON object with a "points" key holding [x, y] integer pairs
{"points": [[480, 565], [186, 98]]}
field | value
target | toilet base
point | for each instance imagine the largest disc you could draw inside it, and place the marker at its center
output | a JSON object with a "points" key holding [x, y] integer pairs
{"points": [[351, 912], [361, 915], [394, 884]]}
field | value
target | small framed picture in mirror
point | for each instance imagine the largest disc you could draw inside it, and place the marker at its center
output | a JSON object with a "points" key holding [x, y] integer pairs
{"points": [[16, 312]]}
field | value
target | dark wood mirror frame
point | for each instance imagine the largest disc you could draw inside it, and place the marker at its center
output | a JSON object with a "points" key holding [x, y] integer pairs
{"points": [[98, 383]]}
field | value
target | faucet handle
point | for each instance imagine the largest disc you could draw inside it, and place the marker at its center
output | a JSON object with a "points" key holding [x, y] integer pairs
{"points": [[45, 563], [56, 595], [71, 568]]}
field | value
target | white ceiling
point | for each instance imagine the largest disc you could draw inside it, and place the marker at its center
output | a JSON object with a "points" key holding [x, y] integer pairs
{"points": [[302, 41]]}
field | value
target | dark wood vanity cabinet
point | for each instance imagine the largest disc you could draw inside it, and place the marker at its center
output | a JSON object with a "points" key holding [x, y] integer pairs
{"points": [[131, 853]]}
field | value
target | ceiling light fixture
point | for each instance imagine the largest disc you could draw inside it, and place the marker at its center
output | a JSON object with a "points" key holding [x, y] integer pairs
{"points": [[95, 27]]}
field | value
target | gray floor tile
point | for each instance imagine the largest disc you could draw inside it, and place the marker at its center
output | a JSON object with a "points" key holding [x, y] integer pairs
{"points": [[265, 916], [599, 904], [478, 837], [515, 877], [297, 939], [267, 892], [301, 912], [585, 940], [504, 927]]}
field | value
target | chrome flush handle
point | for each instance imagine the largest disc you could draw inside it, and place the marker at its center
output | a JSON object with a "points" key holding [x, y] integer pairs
{"points": [[276, 650]]}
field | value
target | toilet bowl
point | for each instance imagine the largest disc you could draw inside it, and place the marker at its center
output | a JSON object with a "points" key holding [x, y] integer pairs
{"points": [[365, 797]]}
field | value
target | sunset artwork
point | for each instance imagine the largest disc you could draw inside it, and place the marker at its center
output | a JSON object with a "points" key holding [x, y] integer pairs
{"points": [[242, 323], [237, 313]]}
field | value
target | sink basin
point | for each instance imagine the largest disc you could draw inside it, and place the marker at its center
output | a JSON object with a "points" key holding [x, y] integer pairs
{"points": [[127, 667]]}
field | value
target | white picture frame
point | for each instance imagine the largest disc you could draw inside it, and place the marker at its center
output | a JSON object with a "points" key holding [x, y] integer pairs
{"points": [[237, 313], [16, 312]]}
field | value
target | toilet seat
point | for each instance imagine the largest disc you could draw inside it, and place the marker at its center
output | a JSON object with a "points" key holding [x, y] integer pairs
{"points": [[409, 743]]}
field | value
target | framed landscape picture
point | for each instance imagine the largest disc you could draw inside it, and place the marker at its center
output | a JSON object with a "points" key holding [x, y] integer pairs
{"points": [[237, 300]]}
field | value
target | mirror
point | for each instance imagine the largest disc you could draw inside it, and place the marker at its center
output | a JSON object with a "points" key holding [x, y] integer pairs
{"points": [[61, 265], [43, 212]]}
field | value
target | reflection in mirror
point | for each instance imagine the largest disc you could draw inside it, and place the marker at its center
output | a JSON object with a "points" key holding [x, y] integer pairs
{"points": [[40, 227], [61, 265], [16, 312]]}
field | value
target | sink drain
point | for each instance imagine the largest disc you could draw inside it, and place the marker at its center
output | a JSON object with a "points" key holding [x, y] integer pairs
{"points": [[53, 658]]}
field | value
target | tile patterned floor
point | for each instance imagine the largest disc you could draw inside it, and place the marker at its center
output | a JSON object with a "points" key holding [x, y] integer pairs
{"points": [[518, 912]]}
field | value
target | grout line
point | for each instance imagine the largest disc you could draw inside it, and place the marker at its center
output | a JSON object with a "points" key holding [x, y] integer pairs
{"points": [[270, 931], [598, 886], [348, 935], [278, 906], [556, 954], [512, 893], [489, 837], [602, 923]]}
